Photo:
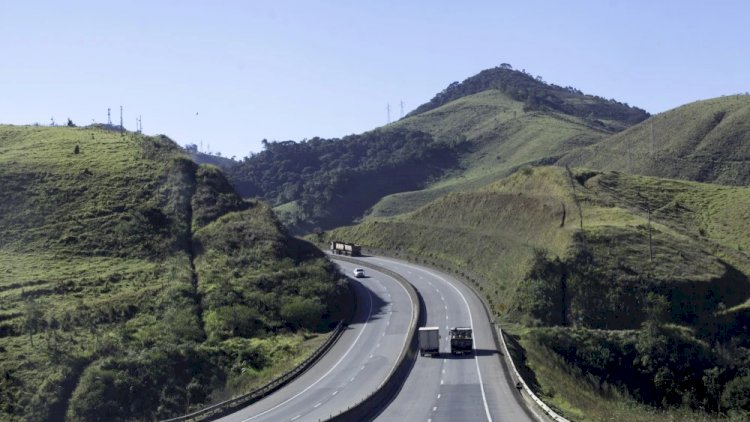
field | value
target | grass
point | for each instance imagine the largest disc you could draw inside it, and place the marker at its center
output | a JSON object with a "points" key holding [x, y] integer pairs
{"points": [[704, 141], [111, 257]]}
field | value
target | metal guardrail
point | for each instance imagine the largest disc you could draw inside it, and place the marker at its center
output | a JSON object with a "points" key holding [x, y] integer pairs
{"points": [[369, 407], [247, 399], [548, 412]]}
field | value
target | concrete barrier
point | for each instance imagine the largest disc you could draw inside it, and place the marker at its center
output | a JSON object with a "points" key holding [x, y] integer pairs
{"points": [[373, 404]]}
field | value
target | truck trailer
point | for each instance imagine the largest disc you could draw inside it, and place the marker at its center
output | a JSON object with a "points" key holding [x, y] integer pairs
{"points": [[461, 340], [343, 248], [429, 341]]}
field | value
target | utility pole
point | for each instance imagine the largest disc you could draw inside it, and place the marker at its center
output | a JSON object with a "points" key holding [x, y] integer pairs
{"points": [[388, 108], [652, 137]]}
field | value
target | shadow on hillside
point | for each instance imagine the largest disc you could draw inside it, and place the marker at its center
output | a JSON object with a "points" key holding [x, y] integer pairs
{"points": [[519, 357]]}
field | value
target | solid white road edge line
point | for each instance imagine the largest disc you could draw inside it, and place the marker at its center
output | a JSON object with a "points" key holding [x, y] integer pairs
{"points": [[369, 314]]}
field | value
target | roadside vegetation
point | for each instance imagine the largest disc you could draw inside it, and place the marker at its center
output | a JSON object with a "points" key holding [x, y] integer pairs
{"points": [[137, 285]]}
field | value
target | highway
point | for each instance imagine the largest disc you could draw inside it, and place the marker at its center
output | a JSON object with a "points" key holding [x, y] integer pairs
{"points": [[354, 366], [453, 388]]}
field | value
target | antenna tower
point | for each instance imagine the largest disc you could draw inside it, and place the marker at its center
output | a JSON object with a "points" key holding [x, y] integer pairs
{"points": [[109, 116], [402, 109], [122, 127], [388, 108]]}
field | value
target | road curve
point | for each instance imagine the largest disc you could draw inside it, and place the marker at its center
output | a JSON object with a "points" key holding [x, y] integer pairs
{"points": [[355, 365], [448, 388]]}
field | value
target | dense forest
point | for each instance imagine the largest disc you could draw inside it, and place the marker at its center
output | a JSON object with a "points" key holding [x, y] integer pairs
{"points": [[324, 183]]}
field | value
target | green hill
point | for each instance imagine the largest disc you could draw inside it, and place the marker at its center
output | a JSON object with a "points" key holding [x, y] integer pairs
{"points": [[705, 141], [498, 135], [469, 135], [136, 284], [587, 251]]}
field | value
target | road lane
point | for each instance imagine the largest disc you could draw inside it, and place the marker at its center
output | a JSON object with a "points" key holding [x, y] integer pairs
{"points": [[355, 365], [448, 388]]}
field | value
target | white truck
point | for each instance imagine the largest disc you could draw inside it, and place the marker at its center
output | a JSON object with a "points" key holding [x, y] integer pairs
{"points": [[429, 341]]}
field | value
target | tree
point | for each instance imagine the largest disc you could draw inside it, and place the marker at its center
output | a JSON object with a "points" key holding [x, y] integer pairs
{"points": [[70, 123], [32, 319]]}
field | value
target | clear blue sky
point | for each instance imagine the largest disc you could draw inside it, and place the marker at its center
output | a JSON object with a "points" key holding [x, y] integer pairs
{"points": [[231, 73]]}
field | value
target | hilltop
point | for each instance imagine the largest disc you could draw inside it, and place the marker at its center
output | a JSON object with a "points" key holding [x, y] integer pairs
{"points": [[136, 284], [705, 141], [603, 262]]}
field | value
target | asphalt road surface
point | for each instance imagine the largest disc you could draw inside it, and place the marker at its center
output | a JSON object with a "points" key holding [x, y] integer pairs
{"points": [[446, 387], [354, 366]]}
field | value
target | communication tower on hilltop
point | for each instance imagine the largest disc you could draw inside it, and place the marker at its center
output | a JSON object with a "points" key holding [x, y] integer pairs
{"points": [[122, 126], [402, 110], [109, 116], [388, 109]]}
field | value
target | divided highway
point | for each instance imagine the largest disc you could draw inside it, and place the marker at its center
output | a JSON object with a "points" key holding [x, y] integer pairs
{"points": [[442, 388], [453, 388], [358, 362]]}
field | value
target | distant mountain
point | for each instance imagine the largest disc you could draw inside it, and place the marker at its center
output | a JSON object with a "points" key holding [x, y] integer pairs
{"points": [[136, 284], [508, 119], [705, 141], [470, 134]]}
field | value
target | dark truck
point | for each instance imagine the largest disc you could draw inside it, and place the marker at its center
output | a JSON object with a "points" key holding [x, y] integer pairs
{"points": [[342, 248], [461, 340]]}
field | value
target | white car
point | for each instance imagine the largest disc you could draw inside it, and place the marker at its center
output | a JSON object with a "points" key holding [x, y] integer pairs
{"points": [[359, 272]]}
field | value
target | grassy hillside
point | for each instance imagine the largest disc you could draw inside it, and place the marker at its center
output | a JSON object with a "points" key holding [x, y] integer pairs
{"points": [[706, 141], [131, 280], [599, 251]]}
